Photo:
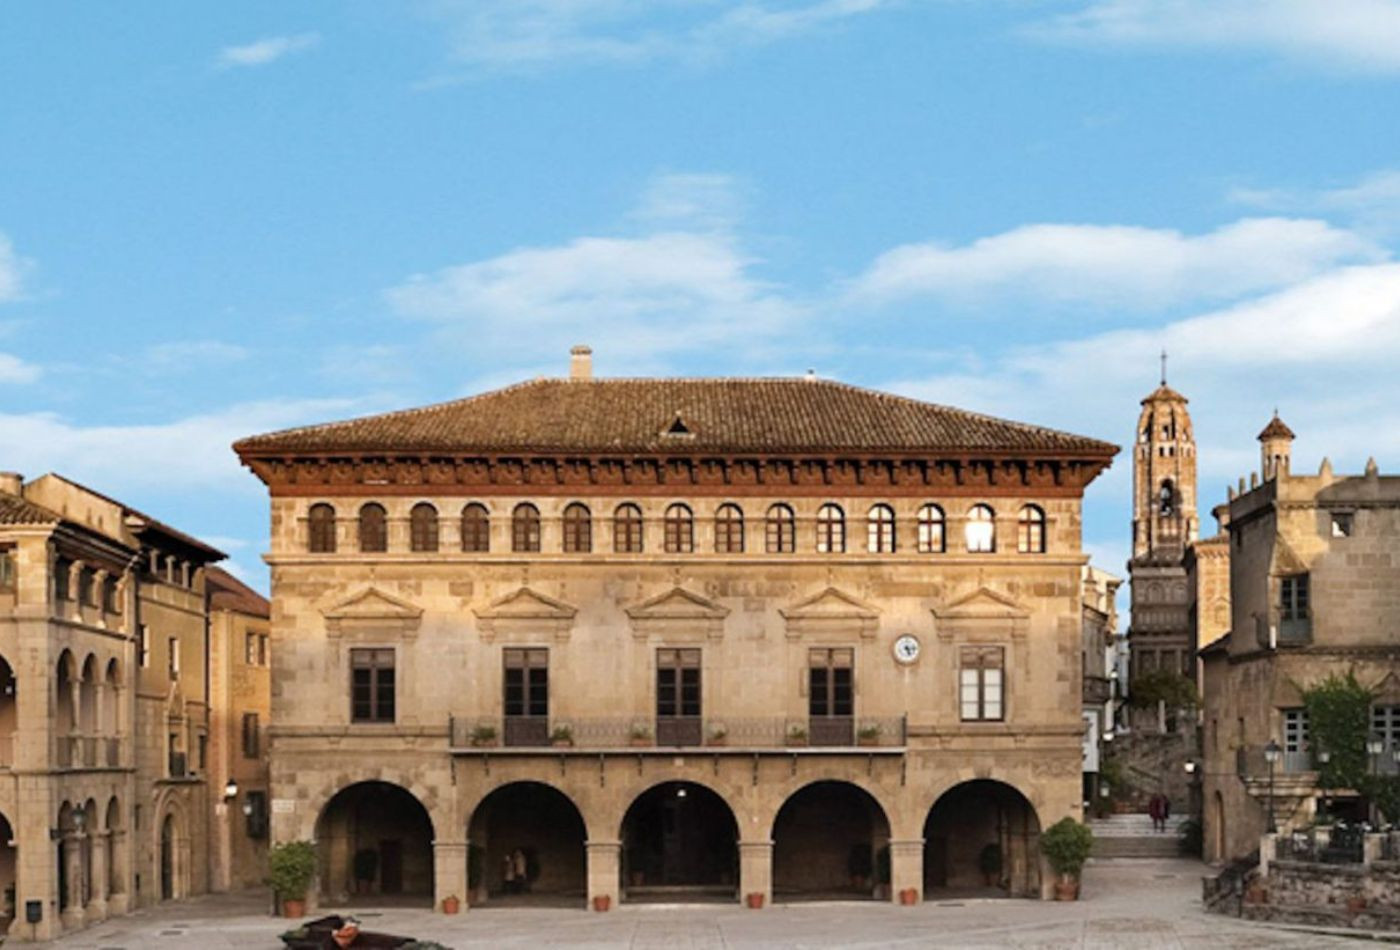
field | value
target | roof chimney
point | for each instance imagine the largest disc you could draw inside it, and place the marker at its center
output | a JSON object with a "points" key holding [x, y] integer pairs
{"points": [[581, 362], [11, 483]]}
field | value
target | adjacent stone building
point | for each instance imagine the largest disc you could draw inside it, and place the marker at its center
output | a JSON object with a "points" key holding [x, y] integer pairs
{"points": [[1314, 590], [104, 718], [628, 638]]}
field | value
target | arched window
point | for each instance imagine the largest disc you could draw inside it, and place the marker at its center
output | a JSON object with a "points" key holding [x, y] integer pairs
{"points": [[525, 528], [627, 529], [1166, 499], [831, 529], [932, 539], [729, 530], [476, 529], [1030, 531], [423, 527], [780, 530], [680, 530], [578, 529], [880, 530], [981, 531], [321, 525], [374, 528]]}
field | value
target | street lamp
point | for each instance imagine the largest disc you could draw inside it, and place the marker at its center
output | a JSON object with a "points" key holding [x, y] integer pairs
{"points": [[1190, 766], [1272, 753]]}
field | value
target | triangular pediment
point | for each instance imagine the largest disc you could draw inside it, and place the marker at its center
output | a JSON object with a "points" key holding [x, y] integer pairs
{"points": [[371, 603], [527, 604], [678, 604], [982, 603], [832, 604]]}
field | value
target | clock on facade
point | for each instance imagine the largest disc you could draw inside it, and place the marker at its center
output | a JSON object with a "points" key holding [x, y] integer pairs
{"points": [[906, 648]]}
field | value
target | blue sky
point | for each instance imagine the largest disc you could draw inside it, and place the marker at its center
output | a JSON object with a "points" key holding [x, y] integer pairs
{"points": [[253, 215]]}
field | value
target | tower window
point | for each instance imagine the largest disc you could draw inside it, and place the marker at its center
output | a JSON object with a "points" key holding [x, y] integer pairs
{"points": [[1166, 500]]}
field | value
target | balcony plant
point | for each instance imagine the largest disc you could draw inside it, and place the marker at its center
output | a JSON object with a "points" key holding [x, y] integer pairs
{"points": [[719, 735], [1066, 845], [562, 737], [291, 868], [797, 735], [868, 735], [640, 735], [483, 736]]}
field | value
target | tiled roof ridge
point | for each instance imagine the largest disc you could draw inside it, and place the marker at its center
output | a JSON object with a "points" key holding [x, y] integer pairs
{"points": [[149, 519], [34, 513]]}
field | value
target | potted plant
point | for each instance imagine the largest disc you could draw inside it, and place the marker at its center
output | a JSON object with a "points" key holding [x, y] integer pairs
{"points": [[640, 735], [989, 863], [868, 735], [562, 737], [796, 735], [718, 734], [1066, 845], [484, 735], [909, 896], [754, 900], [450, 904], [602, 902], [291, 868]]}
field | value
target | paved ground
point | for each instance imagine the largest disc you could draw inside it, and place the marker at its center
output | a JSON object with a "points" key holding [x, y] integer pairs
{"points": [[1144, 904]]}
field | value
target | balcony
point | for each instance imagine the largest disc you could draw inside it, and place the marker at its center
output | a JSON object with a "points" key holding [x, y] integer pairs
{"points": [[1097, 690], [528, 735], [1250, 763]]}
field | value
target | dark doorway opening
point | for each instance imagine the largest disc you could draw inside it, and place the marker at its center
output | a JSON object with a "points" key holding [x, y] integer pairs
{"points": [[831, 842], [526, 845], [981, 839], [375, 841], [680, 841]]}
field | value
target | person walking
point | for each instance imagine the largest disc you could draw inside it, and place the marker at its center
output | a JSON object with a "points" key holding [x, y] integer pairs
{"points": [[1154, 809]]}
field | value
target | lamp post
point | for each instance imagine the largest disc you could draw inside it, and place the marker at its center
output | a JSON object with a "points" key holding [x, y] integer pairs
{"points": [[1272, 752], [231, 790]]}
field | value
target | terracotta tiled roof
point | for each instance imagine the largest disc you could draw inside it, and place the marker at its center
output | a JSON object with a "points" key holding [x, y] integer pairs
{"points": [[227, 592], [677, 415], [15, 510], [1164, 393], [1276, 430], [154, 525]]}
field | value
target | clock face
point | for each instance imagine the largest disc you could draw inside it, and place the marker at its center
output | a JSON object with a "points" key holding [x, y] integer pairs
{"points": [[906, 648]]}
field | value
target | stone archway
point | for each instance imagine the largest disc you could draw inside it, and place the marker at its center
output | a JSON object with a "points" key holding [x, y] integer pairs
{"points": [[680, 841], [830, 841], [527, 844], [981, 837], [375, 841], [9, 869]]}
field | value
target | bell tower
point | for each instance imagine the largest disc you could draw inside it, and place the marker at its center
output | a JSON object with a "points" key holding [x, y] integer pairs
{"points": [[1164, 476]]}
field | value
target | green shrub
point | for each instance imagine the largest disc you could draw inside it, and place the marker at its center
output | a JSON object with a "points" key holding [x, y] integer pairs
{"points": [[291, 868], [1067, 844], [1177, 691]]}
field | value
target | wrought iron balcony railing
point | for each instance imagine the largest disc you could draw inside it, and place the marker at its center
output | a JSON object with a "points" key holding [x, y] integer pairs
{"points": [[678, 732]]}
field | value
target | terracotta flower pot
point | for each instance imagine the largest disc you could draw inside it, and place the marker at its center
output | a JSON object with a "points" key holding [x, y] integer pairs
{"points": [[909, 896], [1067, 890], [754, 901], [451, 905], [602, 903], [292, 908]]}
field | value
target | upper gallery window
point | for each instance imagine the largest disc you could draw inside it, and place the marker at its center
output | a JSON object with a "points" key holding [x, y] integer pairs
{"points": [[780, 531], [981, 530], [931, 535], [374, 528], [729, 530], [1294, 597], [1166, 499], [372, 685], [578, 529], [321, 525], [831, 529], [880, 530], [627, 529], [525, 528], [423, 527], [1030, 531], [476, 528], [680, 530]]}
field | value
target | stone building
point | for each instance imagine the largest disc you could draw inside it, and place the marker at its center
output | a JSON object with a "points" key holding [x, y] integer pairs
{"points": [[626, 638], [1314, 591], [104, 710], [240, 677], [1098, 655]]}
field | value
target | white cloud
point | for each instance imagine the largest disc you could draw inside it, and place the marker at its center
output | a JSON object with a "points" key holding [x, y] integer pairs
{"points": [[269, 49], [1347, 35], [192, 453], [12, 270], [15, 370], [1118, 266], [692, 200], [1373, 203], [532, 33], [636, 297]]}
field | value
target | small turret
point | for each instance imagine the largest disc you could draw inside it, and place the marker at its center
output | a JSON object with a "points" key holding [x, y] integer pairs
{"points": [[1275, 448]]}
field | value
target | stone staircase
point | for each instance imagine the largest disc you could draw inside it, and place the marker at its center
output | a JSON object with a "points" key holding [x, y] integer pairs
{"points": [[1131, 836]]}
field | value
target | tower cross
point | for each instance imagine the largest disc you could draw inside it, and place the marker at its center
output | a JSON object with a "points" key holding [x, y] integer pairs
{"points": [[1164, 367]]}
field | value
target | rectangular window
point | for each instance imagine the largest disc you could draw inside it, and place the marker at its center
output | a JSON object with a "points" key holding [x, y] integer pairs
{"points": [[831, 695], [262, 649], [62, 574], [7, 569], [173, 657], [143, 646], [678, 697], [372, 685], [981, 687], [1295, 730], [1342, 524], [526, 696], [250, 648], [251, 735], [1293, 599], [110, 602], [257, 814], [1385, 722]]}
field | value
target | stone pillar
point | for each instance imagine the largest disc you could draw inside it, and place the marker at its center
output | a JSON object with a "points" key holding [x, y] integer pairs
{"points": [[604, 870], [97, 887], [73, 867], [1268, 850], [1371, 846], [756, 870], [907, 867], [449, 872], [118, 897]]}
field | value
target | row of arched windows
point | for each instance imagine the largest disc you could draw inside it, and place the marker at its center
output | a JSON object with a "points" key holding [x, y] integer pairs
{"points": [[678, 535]]}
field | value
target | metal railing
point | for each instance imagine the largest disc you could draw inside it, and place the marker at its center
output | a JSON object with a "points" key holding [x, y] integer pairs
{"points": [[1250, 762], [1338, 844], [774, 732]]}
